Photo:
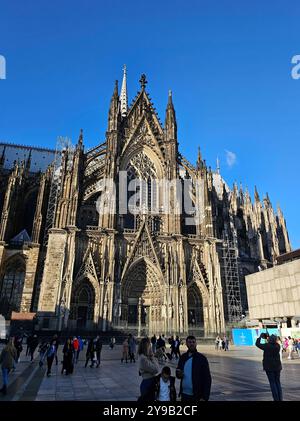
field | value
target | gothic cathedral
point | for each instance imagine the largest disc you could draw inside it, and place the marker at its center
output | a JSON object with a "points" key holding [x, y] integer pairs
{"points": [[73, 252]]}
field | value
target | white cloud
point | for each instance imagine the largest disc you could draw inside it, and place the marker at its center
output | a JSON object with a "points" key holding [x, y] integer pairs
{"points": [[230, 158]]}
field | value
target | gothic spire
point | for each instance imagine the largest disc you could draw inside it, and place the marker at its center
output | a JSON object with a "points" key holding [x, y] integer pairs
{"points": [[80, 139], [113, 109], [256, 195], [199, 159], [123, 95], [170, 122], [218, 165], [143, 81]]}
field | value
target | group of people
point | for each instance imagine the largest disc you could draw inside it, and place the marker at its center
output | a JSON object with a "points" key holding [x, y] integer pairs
{"points": [[159, 349], [222, 343], [129, 349], [291, 346], [192, 371]]}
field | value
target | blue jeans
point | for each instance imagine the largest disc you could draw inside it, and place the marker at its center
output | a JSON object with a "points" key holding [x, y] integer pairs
{"points": [[274, 380], [5, 376], [147, 389]]}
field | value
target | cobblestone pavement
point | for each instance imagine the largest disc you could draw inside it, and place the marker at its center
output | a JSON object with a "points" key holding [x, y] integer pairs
{"points": [[237, 375]]}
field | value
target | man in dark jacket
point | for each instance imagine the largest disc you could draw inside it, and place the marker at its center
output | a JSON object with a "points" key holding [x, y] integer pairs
{"points": [[271, 363], [193, 370]]}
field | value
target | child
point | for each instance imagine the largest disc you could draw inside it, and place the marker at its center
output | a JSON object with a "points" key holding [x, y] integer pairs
{"points": [[165, 386]]}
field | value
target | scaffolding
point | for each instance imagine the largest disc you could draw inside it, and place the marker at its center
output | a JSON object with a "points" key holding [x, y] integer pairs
{"points": [[63, 146], [231, 280]]}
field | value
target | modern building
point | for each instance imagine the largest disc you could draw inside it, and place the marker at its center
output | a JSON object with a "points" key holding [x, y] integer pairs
{"points": [[73, 253], [274, 293]]}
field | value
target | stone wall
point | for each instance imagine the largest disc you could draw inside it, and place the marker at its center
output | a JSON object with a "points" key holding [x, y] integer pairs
{"points": [[274, 292]]}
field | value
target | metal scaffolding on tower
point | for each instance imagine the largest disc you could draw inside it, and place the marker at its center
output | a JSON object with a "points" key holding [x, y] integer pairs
{"points": [[231, 279], [63, 146]]}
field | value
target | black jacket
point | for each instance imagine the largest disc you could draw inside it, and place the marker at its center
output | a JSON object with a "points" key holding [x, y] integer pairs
{"points": [[271, 358], [172, 388], [201, 377]]}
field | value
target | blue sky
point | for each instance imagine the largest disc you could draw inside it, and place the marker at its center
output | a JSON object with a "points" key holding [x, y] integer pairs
{"points": [[228, 64]]}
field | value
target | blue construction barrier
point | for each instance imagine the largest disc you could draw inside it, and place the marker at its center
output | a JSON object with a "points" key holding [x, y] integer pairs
{"points": [[247, 337]]}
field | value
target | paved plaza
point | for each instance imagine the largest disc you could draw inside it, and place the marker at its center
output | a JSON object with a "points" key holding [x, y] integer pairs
{"points": [[237, 375]]}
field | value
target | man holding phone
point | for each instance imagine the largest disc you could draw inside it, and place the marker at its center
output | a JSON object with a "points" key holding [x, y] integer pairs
{"points": [[271, 363], [193, 370]]}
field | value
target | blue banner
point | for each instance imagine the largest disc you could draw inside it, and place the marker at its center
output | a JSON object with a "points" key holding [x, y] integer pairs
{"points": [[247, 337], [242, 337]]}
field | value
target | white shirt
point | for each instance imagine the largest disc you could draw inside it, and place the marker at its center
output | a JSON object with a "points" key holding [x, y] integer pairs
{"points": [[164, 391]]}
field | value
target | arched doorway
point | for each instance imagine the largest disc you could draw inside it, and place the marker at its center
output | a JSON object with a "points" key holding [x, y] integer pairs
{"points": [[83, 305], [195, 310], [142, 298]]}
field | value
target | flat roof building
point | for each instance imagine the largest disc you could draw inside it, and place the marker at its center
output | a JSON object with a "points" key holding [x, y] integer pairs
{"points": [[274, 293]]}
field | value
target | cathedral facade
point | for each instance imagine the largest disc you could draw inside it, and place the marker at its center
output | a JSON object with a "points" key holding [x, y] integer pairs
{"points": [[81, 258]]}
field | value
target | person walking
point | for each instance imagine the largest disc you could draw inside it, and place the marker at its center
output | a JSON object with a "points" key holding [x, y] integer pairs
{"points": [[290, 348], [80, 348], [29, 339], [75, 344], [98, 349], [271, 363], [194, 373], [50, 357], [7, 358], [148, 369], [68, 353], [125, 351], [55, 338], [33, 345], [131, 347], [18, 345]]}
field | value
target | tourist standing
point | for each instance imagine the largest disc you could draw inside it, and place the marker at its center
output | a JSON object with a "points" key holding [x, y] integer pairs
{"points": [[271, 363], [131, 347], [217, 343], [50, 357], [220, 344], [125, 351], [153, 343], [148, 369], [112, 342], [7, 359], [55, 338], [193, 370], [177, 347], [90, 353]]}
